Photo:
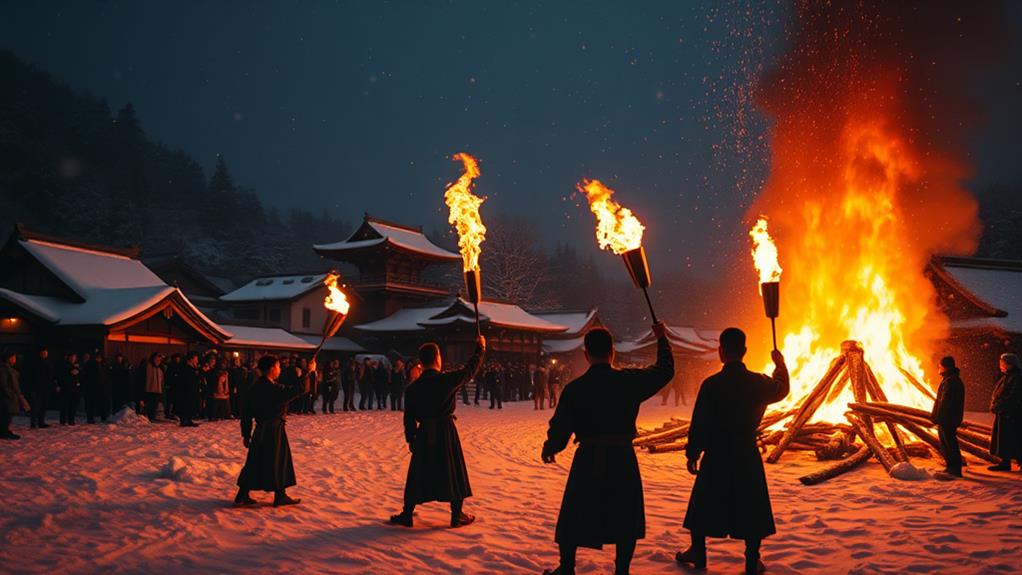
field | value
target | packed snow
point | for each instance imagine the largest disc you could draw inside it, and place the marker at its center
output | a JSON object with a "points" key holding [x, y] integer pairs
{"points": [[157, 499]]}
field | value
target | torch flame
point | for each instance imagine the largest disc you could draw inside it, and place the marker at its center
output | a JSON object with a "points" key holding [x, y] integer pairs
{"points": [[764, 253], [464, 215], [335, 300], [617, 228]]}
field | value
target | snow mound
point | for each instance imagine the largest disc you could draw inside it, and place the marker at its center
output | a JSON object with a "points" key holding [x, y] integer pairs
{"points": [[128, 418], [186, 470], [908, 472]]}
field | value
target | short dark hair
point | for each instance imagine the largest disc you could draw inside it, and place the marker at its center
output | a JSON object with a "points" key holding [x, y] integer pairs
{"points": [[429, 353], [732, 341], [266, 362], [599, 342], [947, 362]]}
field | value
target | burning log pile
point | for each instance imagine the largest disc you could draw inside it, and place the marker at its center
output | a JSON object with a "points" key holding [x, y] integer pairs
{"points": [[873, 427]]}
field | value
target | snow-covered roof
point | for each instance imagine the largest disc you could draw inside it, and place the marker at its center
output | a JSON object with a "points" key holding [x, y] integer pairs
{"points": [[551, 346], [682, 338], [457, 310], [265, 337], [273, 288], [375, 232], [998, 286], [575, 321], [88, 271]]}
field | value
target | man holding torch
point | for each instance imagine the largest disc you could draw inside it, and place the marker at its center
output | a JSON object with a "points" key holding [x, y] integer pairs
{"points": [[437, 471], [603, 502]]}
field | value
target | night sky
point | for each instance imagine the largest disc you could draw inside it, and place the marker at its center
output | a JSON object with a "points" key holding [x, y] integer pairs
{"points": [[358, 106]]}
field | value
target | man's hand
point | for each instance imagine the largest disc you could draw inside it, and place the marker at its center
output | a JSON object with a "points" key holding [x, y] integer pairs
{"points": [[481, 342], [693, 466], [660, 330], [777, 357], [247, 441]]}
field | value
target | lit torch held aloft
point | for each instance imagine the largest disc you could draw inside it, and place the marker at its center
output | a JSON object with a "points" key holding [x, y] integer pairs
{"points": [[464, 215], [764, 257], [618, 230], [337, 303]]}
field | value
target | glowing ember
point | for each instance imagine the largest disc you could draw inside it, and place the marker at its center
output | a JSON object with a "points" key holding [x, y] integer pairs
{"points": [[464, 215], [764, 253], [617, 229], [335, 300]]}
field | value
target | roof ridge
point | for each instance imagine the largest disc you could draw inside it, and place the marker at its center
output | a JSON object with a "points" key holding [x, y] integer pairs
{"points": [[375, 220], [25, 234]]}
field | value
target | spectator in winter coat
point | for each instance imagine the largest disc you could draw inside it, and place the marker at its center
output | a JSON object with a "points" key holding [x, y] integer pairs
{"points": [[11, 399], [120, 383], [70, 386], [153, 385], [97, 400], [366, 380], [188, 391], [331, 385], [948, 409], [221, 396], [539, 386], [398, 381], [381, 383], [1006, 405]]}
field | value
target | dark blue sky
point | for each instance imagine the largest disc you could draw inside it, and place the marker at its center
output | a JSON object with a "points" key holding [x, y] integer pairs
{"points": [[358, 106]]}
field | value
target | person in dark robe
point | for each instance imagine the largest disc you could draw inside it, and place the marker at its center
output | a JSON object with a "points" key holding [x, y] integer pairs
{"points": [[437, 469], [290, 375], [188, 392], [1006, 405], [43, 382], [120, 382], [539, 386], [381, 382], [331, 385], [398, 381], [90, 387], [268, 466], [730, 496], [349, 376], [237, 378], [365, 384], [948, 410], [495, 383], [70, 382], [603, 502]]}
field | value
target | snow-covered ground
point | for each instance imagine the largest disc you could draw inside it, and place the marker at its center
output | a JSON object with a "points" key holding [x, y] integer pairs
{"points": [[156, 499]]}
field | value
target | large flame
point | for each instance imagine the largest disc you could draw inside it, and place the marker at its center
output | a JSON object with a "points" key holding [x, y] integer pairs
{"points": [[864, 187], [764, 253], [464, 214], [617, 228], [335, 299]]}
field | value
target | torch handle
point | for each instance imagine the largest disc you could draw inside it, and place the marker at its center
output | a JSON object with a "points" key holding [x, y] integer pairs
{"points": [[479, 330], [773, 330], [319, 347], [652, 314]]}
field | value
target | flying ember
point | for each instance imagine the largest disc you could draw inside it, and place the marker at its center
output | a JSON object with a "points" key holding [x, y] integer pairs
{"points": [[464, 206], [617, 228]]}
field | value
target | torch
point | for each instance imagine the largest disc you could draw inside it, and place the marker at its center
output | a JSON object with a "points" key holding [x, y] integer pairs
{"points": [[338, 305], [618, 230], [764, 257], [464, 214]]}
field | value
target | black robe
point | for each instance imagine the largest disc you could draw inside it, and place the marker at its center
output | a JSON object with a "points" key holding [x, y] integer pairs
{"points": [[268, 466], [730, 496], [1006, 405], [437, 470], [949, 407], [603, 500]]}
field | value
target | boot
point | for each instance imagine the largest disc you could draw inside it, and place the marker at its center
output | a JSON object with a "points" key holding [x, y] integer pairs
{"points": [[282, 499], [461, 520], [694, 557], [243, 499], [558, 571], [403, 519]]}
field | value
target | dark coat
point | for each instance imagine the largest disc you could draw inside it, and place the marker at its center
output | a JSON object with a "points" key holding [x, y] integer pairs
{"points": [[70, 381], [730, 497], [189, 380], [949, 407], [1006, 404], [398, 381], [381, 378], [268, 466], [603, 500], [43, 377], [11, 399], [437, 470]]}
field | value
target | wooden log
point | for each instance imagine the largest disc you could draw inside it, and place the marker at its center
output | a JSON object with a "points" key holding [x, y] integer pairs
{"points": [[974, 444], [808, 408], [980, 451], [973, 436], [668, 447], [924, 435], [874, 390], [926, 415], [843, 466], [865, 433], [918, 385], [662, 436]]}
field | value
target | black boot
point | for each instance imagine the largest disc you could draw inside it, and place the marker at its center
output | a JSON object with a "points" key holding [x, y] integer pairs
{"points": [[753, 566], [243, 499], [281, 499], [404, 519], [461, 520], [559, 571], [691, 556]]}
